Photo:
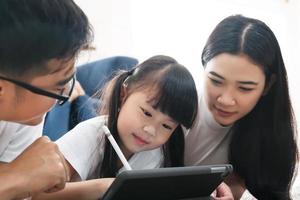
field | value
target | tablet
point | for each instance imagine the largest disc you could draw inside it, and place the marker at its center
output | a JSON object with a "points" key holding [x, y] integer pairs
{"points": [[167, 183]]}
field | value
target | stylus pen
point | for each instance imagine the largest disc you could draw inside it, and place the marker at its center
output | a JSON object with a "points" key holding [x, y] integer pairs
{"points": [[116, 148]]}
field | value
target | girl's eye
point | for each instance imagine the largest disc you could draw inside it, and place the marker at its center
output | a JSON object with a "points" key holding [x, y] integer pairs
{"points": [[246, 89], [167, 127], [146, 113], [215, 82]]}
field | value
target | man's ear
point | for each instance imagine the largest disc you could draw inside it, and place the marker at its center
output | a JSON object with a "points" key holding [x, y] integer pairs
{"points": [[1, 88], [269, 84]]}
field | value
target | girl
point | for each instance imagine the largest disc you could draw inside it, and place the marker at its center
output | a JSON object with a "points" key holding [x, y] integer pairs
{"points": [[144, 110], [246, 116]]}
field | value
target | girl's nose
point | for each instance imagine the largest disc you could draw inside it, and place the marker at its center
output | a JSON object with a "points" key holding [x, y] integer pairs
{"points": [[150, 130]]}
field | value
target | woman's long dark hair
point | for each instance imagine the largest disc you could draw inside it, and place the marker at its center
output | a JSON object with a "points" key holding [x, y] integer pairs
{"points": [[176, 96], [263, 149]]}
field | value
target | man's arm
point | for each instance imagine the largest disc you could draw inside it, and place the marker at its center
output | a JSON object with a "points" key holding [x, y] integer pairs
{"points": [[41, 167], [9, 183]]}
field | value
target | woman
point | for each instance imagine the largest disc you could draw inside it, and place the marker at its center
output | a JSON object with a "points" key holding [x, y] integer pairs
{"points": [[245, 117]]}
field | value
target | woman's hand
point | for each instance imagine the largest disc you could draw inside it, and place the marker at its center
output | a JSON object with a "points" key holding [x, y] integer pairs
{"points": [[222, 192]]}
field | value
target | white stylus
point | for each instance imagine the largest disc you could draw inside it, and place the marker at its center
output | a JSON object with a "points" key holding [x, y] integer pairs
{"points": [[116, 148]]}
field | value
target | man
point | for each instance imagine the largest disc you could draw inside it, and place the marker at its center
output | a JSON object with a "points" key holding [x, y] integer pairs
{"points": [[39, 41]]}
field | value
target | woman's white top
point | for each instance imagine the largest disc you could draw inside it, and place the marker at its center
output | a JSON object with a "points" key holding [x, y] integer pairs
{"points": [[207, 141]]}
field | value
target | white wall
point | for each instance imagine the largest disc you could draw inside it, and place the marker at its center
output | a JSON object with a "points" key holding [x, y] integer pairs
{"points": [[112, 28], [179, 28]]}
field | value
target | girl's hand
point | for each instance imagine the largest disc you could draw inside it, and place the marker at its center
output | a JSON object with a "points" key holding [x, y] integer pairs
{"points": [[106, 182], [222, 192], [82, 190]]}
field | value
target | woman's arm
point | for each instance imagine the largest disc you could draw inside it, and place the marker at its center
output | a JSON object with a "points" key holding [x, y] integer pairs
{"points": [[236, 185], [84, 190]]}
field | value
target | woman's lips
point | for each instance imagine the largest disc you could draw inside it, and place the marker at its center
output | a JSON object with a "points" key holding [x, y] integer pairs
{"points": [[224, 113]]}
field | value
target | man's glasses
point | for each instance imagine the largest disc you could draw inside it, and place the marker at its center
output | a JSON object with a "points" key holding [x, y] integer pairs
{"points": [[62, 97]]}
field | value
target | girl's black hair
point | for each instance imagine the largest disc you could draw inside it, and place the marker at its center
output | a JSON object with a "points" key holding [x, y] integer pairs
{"points": [[263, 149], [176, 96]]}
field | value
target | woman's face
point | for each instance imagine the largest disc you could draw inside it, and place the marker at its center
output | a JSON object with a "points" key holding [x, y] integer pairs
{"points": [[233, 85]]}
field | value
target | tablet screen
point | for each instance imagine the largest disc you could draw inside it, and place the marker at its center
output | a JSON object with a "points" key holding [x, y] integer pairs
{"points": [[167, 183]]}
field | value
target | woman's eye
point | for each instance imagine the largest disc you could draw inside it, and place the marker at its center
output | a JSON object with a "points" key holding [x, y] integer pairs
{"points": [[215, 82], [167, 127], [246, 89]]}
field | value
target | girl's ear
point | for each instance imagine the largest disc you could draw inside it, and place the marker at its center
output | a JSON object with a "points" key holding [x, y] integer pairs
{"points": [[123, 94], [269, 84]]}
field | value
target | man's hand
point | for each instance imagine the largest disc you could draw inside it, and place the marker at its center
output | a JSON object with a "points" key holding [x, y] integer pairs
{"points": [[40, 168], [222, 192]]}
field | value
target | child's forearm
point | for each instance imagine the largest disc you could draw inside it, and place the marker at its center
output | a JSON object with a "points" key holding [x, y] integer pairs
{"points": [[85, 190]]}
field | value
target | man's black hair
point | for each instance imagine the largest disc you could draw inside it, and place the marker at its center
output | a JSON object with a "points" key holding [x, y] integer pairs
{"points": [[34, 31]]}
